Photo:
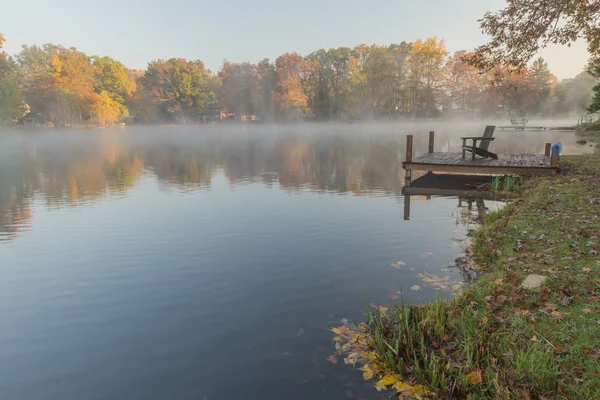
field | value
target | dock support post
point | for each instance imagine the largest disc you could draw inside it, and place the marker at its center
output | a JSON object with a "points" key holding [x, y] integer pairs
{"points": [[554, 159], [406, 207], [547, 149], [407, 171], [431, 140]]}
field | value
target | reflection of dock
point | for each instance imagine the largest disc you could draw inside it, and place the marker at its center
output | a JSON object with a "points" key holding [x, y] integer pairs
{"points": [[452, 185], [454, 163], [467, 188]]}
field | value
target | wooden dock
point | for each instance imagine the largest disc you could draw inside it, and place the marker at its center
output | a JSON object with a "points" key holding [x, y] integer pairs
{"points": [[522, 128], [446, 162]]}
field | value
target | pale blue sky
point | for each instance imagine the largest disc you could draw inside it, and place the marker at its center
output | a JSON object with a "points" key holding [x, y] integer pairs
{"points": [[137, 31]]}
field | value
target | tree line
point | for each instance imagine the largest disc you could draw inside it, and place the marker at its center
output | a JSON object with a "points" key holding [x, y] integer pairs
{"points": [[55, 85]]}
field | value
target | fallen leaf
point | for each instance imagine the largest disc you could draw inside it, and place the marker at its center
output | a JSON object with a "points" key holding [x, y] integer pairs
{"points": [[398, 264], [387, 380], [587, 310], [499, 281], [591, 352], [557, 316], [332, 359], [534, 339], [338, 347], [561, 351], [367, 372], [475, 377], [415, 288], [382, 309], [337, 331], [484, 320], [586, 270], [525, 395], [393, 296]]}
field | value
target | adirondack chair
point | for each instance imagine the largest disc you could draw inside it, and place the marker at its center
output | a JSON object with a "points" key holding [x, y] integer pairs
{"points": [[482, 149]]}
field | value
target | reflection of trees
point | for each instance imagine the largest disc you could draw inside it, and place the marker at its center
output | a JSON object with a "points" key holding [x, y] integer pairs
{"points": [[72, 170]]}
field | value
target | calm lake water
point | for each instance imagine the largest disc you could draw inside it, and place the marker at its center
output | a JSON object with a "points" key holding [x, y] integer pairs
{"points": [[210, 262]]}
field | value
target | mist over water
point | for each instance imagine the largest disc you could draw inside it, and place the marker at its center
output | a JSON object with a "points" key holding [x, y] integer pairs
{"points": [[208, 262]]}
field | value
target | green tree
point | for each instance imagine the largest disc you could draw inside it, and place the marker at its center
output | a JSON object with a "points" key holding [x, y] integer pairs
{"points": [[542, 81], [11, 99], [179, 87], [238, 82], [114, 78], [594, 70]]}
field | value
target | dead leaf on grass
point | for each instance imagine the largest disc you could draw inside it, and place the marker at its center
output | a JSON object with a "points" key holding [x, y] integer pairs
{"points": [[475, 378]]}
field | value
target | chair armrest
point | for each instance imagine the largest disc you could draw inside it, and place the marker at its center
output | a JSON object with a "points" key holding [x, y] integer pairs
{"points": [[477, 138]]}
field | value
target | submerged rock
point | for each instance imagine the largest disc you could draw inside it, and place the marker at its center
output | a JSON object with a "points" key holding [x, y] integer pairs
{"points": [[533, 281], [581, 141]]}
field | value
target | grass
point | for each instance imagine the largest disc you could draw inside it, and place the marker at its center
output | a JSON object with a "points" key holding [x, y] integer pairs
{"points": [[497, 339]]}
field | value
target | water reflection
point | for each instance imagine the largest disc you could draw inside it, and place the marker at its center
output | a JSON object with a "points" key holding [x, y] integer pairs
{"points": [[71, 168]]}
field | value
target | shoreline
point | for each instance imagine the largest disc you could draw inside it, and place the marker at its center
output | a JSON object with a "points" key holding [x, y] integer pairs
{"points": [[527, 327]]}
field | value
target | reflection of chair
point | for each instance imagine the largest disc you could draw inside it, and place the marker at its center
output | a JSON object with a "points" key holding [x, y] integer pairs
{"points": [[482, 149]]}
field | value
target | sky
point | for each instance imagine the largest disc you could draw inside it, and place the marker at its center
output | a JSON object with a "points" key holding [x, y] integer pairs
{"points": [[138, 31]]}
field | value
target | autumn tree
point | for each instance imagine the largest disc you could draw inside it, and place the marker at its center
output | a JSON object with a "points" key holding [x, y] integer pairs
{"points": [[288, 97], [524, 27], [426, 64]]}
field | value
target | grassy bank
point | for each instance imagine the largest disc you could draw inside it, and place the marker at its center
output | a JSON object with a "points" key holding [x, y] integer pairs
{"points": [[590, 130], [498, 339]]}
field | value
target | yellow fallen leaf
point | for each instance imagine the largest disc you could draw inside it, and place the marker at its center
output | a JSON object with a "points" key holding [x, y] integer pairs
{"points": [[586, 270], [415, 288], [367, 372], [387, 380], [474, 377], [401, 386], [337, 331], [499, 281], [587, 310], [484, 320]]}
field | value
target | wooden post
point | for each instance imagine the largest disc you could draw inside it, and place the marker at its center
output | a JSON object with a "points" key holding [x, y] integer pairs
{"points": [[406, 207], [431, 140], [407, 171], [554, 159], [547, 149]]}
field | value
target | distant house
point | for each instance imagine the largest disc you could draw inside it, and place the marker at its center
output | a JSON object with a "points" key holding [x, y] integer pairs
{"points": [[215, 112]]}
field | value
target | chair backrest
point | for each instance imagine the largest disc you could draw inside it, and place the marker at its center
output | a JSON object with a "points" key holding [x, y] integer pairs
{"points": [[524, 121], [488, 133]]}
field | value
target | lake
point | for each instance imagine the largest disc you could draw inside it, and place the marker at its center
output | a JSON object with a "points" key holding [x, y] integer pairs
{"points": [[210, 262]]}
